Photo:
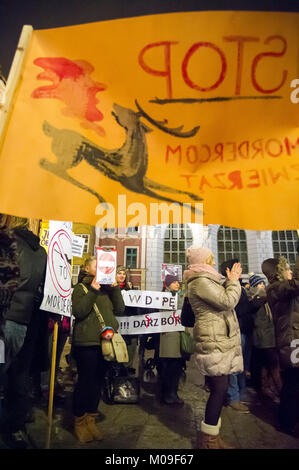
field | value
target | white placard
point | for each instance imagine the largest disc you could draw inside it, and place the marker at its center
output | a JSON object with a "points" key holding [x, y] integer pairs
{"points": [[157, 322], [150, 299], [77, 246], [106, 266], [58, 287], [172, 270]]}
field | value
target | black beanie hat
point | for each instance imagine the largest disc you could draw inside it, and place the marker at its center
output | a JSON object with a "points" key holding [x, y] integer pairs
{"points": [[227, 264], [170, 278]]}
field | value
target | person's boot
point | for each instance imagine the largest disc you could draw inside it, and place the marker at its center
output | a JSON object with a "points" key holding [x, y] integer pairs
{"points": [[82, 432], [238, 406], [166, 396], [174, 389], [209, 437], [222, 444], [170, 396], [96, 433], [170, 387]]}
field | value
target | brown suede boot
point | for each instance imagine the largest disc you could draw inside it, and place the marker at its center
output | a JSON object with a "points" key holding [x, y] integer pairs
{"points": [[222, 444], [210, 438], [96, 433], [207, 441], [82, 432]]}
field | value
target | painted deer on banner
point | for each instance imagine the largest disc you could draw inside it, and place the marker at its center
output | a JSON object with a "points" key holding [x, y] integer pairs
{"points": [[126, 165]]}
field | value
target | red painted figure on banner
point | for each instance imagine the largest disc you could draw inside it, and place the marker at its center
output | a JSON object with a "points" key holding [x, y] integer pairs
{"points": [[73, 85]]}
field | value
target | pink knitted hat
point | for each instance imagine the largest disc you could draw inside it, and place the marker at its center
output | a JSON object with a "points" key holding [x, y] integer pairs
{"points": [[197, 254]]}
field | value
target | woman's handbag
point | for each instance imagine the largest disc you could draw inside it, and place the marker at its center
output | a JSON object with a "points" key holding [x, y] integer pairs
{"points": [[119, 387], [114, 349], [187, 343], [187, 314]]}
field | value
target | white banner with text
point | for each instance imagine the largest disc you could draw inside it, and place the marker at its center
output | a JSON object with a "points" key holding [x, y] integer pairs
{"points": [[156, 322], [150, 299]]}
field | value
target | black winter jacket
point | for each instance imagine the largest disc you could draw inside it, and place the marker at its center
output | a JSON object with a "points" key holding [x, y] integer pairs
{"points": [[9, 269], [245, 310], [283, 300], [32, 260]]}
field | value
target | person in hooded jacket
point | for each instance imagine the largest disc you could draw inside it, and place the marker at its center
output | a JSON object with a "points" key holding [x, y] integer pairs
{"points": [[282, 295], [86, 343], [216, 332], [265, 370], [171, 363], [21, 330]]}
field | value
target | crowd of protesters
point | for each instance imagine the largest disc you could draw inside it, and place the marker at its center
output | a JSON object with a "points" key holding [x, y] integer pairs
{"points": [[244, 331]]}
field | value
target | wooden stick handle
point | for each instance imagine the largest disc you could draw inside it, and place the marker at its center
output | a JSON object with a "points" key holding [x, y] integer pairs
{"points": [[14, 76], [52, 383]]}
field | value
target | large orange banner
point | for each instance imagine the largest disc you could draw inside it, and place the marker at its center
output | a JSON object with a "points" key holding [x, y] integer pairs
{"points": [[185, 107]]}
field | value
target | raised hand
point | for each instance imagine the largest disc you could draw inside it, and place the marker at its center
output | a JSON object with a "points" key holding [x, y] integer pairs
{"points": [[95, 285], [235, 273]]}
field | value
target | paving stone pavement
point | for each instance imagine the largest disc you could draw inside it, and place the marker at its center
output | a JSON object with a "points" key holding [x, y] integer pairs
{"points": [[150, 425]]}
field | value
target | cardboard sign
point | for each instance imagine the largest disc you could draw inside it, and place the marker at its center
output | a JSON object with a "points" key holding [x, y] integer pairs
{"points": [[57, 290], [157, 322], [150, 299], [106, 266]]}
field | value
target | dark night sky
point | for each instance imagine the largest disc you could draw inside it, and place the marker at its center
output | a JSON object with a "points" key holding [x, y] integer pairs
{"points": [[54, 13]]}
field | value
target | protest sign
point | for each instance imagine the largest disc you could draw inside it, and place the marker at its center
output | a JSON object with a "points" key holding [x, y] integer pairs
{"points": [[77, 246], [156, 322], [57, 290], [172, 270], [214, 89], [44, 234], [150, 299], [106, 266]]}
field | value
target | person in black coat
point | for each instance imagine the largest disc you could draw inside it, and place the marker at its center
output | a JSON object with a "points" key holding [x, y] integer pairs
{"points": [[9, 280], [283, 298], [122, 281], [9, 268], [21, 329], [245, 310]]}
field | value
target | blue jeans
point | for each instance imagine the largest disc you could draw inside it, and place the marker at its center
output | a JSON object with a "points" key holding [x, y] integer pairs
{"points": [[14, 337], [19, 345], [237, 381]]}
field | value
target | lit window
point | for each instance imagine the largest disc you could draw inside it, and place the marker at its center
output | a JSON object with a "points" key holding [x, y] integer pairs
{"points": [[285, 244], [177, 239], [131, 257], [133, 230], [232, 244]]}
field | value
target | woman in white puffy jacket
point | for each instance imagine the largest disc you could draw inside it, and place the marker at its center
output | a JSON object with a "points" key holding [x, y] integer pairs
{"points": [[216, 332]]}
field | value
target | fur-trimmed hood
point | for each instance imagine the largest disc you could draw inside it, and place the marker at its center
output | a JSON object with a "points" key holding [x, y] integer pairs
{"points": [[274, 269]]}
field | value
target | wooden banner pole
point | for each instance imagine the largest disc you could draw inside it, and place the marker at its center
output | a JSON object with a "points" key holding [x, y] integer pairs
{"points": [[52, 383], [14, 76]]}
